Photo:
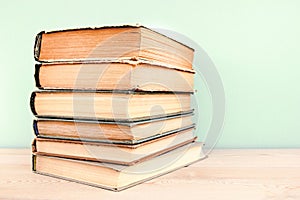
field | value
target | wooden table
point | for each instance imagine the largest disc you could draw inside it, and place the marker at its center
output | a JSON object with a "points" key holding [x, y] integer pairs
{"points": [[226, 174]]}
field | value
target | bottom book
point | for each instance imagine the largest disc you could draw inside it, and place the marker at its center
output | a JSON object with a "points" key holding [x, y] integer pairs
{"points": [[117, 177]]}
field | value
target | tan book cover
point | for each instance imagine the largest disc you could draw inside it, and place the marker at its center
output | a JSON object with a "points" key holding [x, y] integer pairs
{"points": [[117, 177], [125, 154]]}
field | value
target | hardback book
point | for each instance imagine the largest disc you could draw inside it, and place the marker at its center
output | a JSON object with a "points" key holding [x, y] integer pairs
{"points": [[114, 106], [117, 177], [111, 132], [112, 43], [130, 75], [125, 154]]}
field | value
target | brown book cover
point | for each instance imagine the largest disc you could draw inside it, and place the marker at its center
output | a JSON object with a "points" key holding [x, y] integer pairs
{"points": [[125, 75], [112, 43], [108, 105], [111, 131]]}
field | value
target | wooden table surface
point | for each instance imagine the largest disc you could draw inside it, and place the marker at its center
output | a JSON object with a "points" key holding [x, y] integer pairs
{"points": [[226, 174]]}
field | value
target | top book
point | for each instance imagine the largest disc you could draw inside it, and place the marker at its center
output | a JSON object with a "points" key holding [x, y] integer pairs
{"points": [[112, 43]]}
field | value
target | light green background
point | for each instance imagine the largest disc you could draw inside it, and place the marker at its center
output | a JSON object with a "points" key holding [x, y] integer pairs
{"points": [[255, 45]]}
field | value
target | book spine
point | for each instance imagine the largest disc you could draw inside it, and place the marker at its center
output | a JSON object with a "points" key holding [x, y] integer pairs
{"points": [[37, 76], [35, 127], [33, 146], [33, 162], [37, 45], [32, 106]]}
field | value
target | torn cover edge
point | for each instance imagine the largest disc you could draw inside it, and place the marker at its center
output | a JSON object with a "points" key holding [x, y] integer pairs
{"points": [[125, 60], [114, 26]]}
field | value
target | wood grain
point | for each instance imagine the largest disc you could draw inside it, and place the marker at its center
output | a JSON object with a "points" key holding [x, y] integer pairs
{"points": [[226, 174]]}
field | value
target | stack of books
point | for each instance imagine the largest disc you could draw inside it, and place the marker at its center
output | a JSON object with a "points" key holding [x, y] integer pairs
{"points": [[113, 107]]}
